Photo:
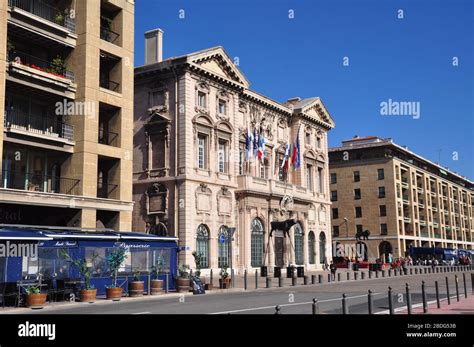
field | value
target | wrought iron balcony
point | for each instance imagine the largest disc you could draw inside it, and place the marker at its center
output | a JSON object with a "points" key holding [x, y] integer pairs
{"points": [[40, 183], [108, 35], [107, 137], [108, 84], [106, 191]]}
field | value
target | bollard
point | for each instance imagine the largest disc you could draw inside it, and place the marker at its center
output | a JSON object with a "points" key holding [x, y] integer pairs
{"points": [[232, 278], [166, 283], [416, 271], [345, 309], [315, 307], [438, 303], [383, 273], [293, 281], [211, 278], [390, 300], [256, 279], [423, 296], [465, 285], [376, 273], [320, 279], [447, 291], [268, 282], [348, 274], [356, 274], [245, 279], [370, 274], [457, 287], [411, 271], [339, 277], [407, 290], [370, 302], [305, 280], [277, 309], [313, 279], [362, 275], [280, 281], [329, 277], [472, 283], [395, 272], [389, 272]]}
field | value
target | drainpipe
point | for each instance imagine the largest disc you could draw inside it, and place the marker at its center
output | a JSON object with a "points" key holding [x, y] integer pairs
{"points": [[176, 120]]}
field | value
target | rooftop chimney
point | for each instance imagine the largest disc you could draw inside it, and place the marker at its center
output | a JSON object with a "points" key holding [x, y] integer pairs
{"points": [[153, 46]]}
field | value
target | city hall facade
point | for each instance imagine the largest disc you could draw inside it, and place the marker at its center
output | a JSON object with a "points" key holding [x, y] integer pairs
{"points": [[195, 177]]}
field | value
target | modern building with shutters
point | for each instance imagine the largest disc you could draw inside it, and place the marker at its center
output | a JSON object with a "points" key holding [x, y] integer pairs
{"points": [[66, 83], [192, 178], [401, 198]]}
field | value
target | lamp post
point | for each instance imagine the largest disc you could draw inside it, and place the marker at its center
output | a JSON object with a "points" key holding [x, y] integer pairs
{"points": [[346, 221], [231, 232]]}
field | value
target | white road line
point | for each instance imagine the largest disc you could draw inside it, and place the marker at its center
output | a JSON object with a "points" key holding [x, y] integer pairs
{"points": [[142, 312], [287, 305]]}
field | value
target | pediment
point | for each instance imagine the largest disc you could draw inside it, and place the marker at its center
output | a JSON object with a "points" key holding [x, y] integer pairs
{"points": [[316, 110]]}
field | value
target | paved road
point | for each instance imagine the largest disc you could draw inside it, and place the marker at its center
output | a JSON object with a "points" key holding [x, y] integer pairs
{"points": [[292, 300]]}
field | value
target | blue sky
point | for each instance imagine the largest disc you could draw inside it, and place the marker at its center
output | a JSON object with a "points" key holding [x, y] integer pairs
{"points": [[409, 59]]}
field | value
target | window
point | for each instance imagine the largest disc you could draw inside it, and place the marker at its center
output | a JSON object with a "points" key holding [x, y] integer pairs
{"points": [[201, 101], [307, 138], [380, 174], [356, 176], [357, 194], [381, 192], [335, 213], [358, 212], [202, 244], [282, 172], [311, 248], [298, 244], [322, 247], [383, 229], [320, 180], [309, 177], [333, 178], [202, 151], [335, 231], [334, 195], [264, 168], [256, 243], [223, 248], [222, 156], [222, 107], [242, 154], [318, 142], [358, 228], [383, 210], [158, 145]]}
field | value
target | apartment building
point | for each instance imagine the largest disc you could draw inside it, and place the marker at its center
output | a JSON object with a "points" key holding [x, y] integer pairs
{"points": [[66, 83], [192, 177], [401, 198]]}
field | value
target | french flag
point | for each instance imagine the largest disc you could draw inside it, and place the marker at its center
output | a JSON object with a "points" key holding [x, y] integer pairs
{"points": [[261, 148]]}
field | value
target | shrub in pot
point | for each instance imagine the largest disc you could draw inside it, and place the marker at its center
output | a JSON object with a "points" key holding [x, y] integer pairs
{"points": [[157, 284], [183, 278], [224, 281], [136, 287], [114, 260], [88, 293], [34, 298], [198, 260]]}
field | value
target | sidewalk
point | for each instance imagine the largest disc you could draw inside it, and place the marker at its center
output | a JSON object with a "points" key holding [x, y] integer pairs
{"points": [[463, 306]]}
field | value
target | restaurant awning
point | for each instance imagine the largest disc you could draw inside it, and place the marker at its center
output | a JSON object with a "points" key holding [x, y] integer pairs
{"points": [[22, 235]]}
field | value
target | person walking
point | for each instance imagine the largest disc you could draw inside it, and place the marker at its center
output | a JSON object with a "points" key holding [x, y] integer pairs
{"points": [[333, 269], [326, 265]]}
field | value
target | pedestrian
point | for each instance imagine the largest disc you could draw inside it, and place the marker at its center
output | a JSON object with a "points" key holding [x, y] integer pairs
{"points": [[333, 269], [326, 265]]}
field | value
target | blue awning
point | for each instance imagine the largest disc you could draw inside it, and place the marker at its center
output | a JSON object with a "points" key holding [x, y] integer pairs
{"points": [[145, 237], [22, 235]]}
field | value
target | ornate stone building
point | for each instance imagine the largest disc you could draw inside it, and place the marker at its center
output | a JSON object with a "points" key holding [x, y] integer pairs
{"points": [[192, 177]]}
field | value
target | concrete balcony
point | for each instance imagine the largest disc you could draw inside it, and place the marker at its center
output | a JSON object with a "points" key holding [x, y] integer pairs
{"points": [[39, 183]]}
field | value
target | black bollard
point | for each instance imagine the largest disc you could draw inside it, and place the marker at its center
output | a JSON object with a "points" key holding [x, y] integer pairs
{"points": [[277, 309], [280, 281], [211, 278], [456, 281], [245, 279], [383, 272], [390, 300], [376, 273], [411, 271], [256, 279], [472, 283], [448, 296], [313, 279], [465, 285], [356, 274], [407, 290], [329, 277], [268, 282], [370, 302], [362, 275], [293, 281], [389, 272], [305, 280], [423, 296], [345, 309], [339, 277], [315, 308], [232, 278], [320, 279], [370, 274], [167, 283], [348, 274], [438, 303]]}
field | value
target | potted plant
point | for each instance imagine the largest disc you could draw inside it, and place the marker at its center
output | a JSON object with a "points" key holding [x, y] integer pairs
{"points": [[137, 286], [114, 260], [157, 284], [198, 260], [59, 18], [88, 293], [183, 278], [224, 281], [58, 66], [34, 298]]}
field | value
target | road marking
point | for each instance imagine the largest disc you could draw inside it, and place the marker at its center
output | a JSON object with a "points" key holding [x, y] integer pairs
{"points": [[142, 312], [404, 308], [288, 305]]}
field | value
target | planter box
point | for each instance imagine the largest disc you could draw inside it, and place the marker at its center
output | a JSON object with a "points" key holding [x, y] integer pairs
{"points": [[36, 301], [88, 295], [156, 287], [224, 284], [136, 288], [114, 294], [183, 285]]}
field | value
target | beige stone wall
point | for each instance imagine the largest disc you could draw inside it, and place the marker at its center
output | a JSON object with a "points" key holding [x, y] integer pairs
{"points": [[3, 58]]}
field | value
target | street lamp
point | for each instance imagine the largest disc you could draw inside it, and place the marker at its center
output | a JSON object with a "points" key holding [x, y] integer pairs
{"points": [[346, 221], [231, 232]]}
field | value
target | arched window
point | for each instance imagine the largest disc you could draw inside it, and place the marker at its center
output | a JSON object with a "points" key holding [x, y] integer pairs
{"points": [[298, 244], [256, 243], [311, 250], [223, 247], [322, 247], [202, 244]]}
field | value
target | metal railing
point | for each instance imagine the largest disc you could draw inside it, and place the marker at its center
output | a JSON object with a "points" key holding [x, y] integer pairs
{"points": [[39, 182], [36, 124], [42, 9], [107, 137], [108, 35], [39, 64], [108, 84], [106, 191]]}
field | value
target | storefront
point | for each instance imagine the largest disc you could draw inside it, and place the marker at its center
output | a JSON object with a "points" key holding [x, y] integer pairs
{"points": [[143, 252]]}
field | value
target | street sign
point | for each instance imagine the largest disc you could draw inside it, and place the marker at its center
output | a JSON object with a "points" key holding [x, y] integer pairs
{"points": [[222, 238]]}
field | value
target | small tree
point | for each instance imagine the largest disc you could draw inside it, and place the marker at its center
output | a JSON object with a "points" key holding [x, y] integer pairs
{"points": [[198, 260], [58, 65], [114, 260], [183, 271], [82, 267], [159, 266]]}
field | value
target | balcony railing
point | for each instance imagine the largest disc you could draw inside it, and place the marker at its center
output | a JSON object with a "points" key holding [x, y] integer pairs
{"points": [[107, 137], [108, 35], [41, 9], [35, 182], [424, 234], [108, 84], [106, 191], [39, 64], [16, 119]]}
